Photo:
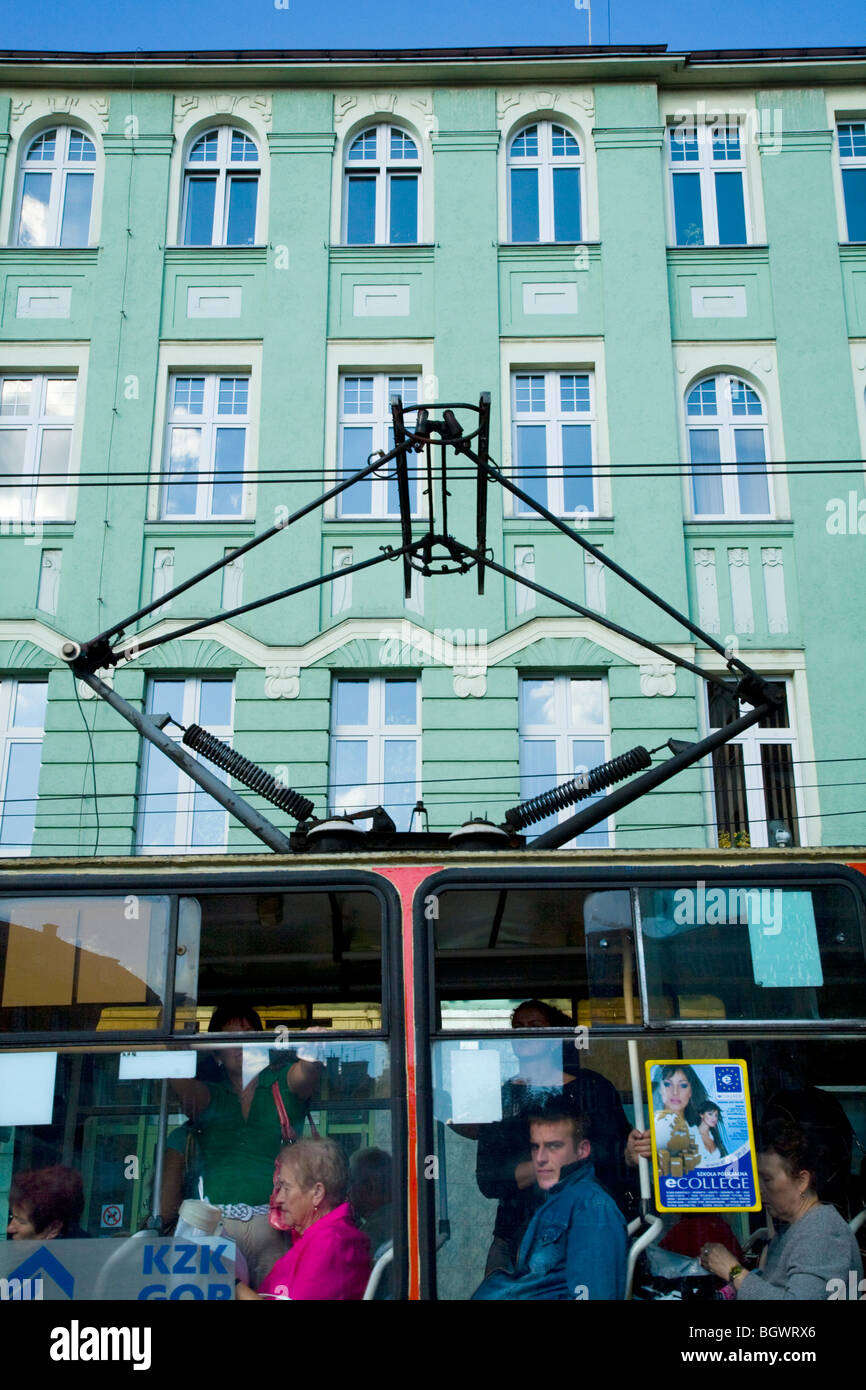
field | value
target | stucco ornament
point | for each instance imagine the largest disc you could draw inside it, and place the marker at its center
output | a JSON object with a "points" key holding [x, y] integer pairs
{"points": [[84, 691], [658, 678], [282, 682], [470, 680]]}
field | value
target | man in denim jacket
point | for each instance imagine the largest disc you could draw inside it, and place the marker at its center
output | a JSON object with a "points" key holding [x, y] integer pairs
{"points": [[575, 1245]]}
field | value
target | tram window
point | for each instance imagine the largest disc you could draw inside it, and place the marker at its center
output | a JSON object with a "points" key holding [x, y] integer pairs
{"points": [[495, 947], [299, 958], [749, 951], [82, 963], [108, 1130]]}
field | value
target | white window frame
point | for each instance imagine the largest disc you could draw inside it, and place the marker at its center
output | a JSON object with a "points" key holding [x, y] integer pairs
{"points": [[751, 742], [545, 162], [225, 169], [33, 496], [379, 419], [855, 161], [383, 167], [10, 737], [374, 733], [209, 422], [563, 732], [58, 168], [706, 166], [553, 419], [186, 790], [725, 422]]}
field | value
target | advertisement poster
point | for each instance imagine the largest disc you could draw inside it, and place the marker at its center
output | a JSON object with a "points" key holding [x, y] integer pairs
{"points": [[701, 1128]]}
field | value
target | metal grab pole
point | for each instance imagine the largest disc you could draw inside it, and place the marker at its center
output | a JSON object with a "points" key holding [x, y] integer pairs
{"points": [[634, 1066], [258, 824]]}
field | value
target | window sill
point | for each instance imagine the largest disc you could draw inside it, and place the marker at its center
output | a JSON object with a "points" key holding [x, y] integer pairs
{"points": [[711, 526]]}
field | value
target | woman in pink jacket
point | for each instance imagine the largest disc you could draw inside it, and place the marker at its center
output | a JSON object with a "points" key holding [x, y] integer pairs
{"points": [[329, 1257]]}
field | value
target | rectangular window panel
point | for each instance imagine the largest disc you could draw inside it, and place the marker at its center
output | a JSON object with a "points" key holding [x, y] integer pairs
{"points": [[587, 705], [729, 786], [537, 774], [524, 205], [19, 796], [854, 188], [13, 453], [730, 209], [688, 215], [780, 797], [209, 820], [180, 497], [200, 200], [586, 754], [404, 209], [241, 220], [229, 470], [578, 492], [349, 774], [707, 494], [532, 464], [75, 228], [398, 793], [215, 704], [400, 702], [33, 226], [361, 210], [352, 703], [31, 698], [752, 473], [357, 445], [539, 702], [158, 802], [53, 466], [566, 205]]}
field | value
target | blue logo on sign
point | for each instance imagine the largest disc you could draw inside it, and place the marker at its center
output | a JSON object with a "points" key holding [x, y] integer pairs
{"points": [[44, 1262], [728, 1080]]}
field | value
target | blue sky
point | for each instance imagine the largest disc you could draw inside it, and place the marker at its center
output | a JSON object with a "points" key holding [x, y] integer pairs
{"points": [[106, 25]]}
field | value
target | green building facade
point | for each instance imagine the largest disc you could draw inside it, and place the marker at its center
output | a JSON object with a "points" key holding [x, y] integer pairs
{"points": [[214, 276]]}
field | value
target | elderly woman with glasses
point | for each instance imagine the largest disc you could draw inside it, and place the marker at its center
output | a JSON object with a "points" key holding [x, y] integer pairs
{"points": [[329, 1257]]}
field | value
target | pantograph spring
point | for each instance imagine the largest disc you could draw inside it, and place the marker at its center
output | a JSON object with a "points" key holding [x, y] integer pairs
{"points": [[579, 788], [250, 774]]}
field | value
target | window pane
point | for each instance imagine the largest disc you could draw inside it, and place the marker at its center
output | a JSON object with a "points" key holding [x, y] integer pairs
{"points": [[357, 500], [215, 704], [200, 199], [209, 820], [707, 491], [205, 150], [524, 205], [780, 797], [525, 144], [578, 494], [529, 394], [360, 210], [233, 395], [16, 394], [587, 705], [30, 701], [188, 396], [751, 472], [404, 209], [537, 774], [166, 697], [532, 464], [19, 795], [586, 754], [158, 802], [402, 146], [854, 186], [688, 216], [241, 222], [13, 453], [730, 209], [566, 205], [243, 149], [53, 464], [229, 469], [400, 702], [75, 229], [539, 702], [349, 775], [351, 699], [563, 142], [60, 397], [729, 786], [399, 793], [33, 226], [184, 458]]}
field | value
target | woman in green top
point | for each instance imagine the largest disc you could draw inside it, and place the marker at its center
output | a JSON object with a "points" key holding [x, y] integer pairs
{"points": [[239, 1133]]}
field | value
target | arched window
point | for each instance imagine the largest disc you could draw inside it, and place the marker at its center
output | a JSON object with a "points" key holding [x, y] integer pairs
{"points": [[382, 188], [220, 189], [544, 164], [727, 434], [56, 189]]}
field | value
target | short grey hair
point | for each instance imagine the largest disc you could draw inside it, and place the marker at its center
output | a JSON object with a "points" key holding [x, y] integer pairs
{"points": [[318, 1160]]}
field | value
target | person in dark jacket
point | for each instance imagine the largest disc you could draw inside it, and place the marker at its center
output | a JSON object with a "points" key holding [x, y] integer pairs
{"points": [[549, 1074], [575, 1245]]}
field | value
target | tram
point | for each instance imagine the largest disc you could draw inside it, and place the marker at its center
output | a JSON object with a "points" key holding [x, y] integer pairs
{"points": [[398, 971]]}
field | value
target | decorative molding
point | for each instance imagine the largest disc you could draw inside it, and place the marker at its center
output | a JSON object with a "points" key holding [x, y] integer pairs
{"points": [[470, 680], [794, 141], [465, 141], [154, 143], [282, 681], [658, 678], [93, 110], [20, 109], [635, 137], [343, 105], [302, 142], [251, 104]]}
